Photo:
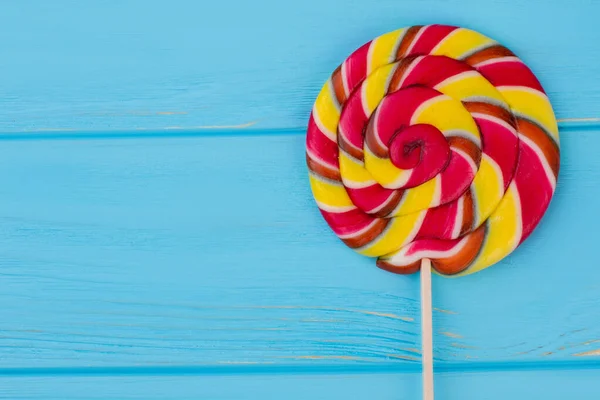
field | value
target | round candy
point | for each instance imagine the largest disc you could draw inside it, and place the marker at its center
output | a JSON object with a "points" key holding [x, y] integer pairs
{"points": [[433, 142]]}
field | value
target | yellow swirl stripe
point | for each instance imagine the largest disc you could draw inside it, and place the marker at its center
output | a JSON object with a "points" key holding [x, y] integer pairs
{"points": [[469, 85], [447, 114], [503, 233], [400, 232], [420, 198], [382, 49], [461, 42], [384, 172], [487, 188], [326, 112], [532, 105], [375, 87], [330, 194], [353, 171]]}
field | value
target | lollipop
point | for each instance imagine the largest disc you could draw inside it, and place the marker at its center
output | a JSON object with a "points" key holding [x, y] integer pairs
{"points": [[432, 146]]}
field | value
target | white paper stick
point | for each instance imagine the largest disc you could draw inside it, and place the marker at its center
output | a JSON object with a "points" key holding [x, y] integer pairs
{"points": [[426, 330]]}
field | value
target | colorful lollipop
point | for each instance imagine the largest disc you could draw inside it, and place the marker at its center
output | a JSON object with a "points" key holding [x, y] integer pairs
{"points": [[432, 146]]}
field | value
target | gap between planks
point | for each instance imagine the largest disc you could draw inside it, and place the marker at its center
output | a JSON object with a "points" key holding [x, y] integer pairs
{"points": [[299, 369], [247, 129]]}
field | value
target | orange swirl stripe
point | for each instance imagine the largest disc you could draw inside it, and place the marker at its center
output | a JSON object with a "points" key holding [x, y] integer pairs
{"points": [[433, 142]]}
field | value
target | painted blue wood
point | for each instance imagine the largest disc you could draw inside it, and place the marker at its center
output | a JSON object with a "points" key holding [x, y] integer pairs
{"points": [[550, 385], [159, 239], [210, 251], [184, 63]]}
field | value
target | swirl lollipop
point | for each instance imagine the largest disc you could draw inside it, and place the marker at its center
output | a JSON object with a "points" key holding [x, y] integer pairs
{"points": [[432, 146]]}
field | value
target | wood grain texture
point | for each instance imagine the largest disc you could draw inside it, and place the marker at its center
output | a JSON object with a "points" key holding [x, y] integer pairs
{"points": [[152, 64], [210, 251], [551, 385]]}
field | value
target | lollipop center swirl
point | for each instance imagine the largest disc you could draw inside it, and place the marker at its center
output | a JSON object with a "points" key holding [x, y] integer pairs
{"points": [[421, 146]]}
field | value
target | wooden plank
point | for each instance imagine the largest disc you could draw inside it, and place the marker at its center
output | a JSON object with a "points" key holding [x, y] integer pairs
{"points": [[210, 251], [550, 385], [156, 64]]}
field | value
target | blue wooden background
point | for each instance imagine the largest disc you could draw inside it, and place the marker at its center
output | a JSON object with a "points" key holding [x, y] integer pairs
{"points": [[159, 237]]}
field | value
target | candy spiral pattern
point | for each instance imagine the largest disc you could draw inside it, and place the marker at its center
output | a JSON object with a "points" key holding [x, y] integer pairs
{"points": [[433, 142]]}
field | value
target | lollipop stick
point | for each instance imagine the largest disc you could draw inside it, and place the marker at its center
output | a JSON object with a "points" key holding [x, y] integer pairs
{"points": [[426, 330]]}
